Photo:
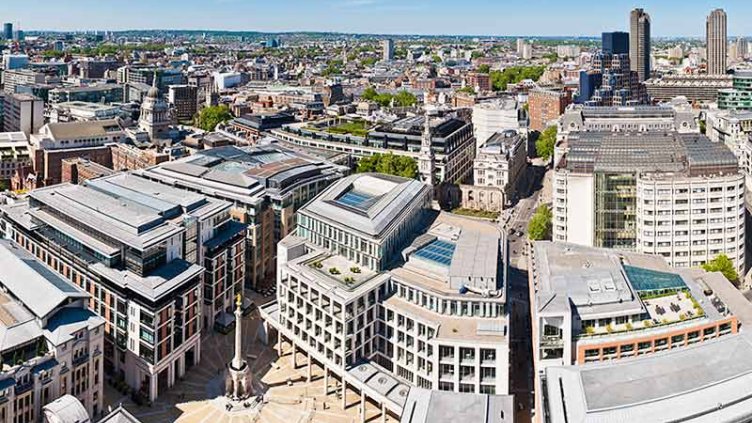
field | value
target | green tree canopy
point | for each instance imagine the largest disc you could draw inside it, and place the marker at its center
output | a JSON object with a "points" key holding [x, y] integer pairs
{"points": [[484, 68], [468, 89], [209, 117], [389, 164], [401, 99], [405, 99], [544, 145], [721, 263], [539, 226], [515, 74]]}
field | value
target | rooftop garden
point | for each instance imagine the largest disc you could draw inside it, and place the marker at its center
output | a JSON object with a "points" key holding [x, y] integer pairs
{"points": [[344, 271], [357, 127], [476, 213]]}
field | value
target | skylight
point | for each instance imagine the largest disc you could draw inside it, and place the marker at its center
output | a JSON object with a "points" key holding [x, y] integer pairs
{"points": [[438, 251]]}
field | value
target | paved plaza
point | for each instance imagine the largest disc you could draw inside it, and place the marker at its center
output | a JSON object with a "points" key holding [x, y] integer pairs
{"points": [[289, 397]]}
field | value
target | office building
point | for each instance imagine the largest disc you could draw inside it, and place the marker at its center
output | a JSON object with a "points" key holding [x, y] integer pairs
{"points": [[103, 93], [739, 96], [696, 88], [375, 285], [639, 43], [22, 113], [147, 74], [619, 85], [734, 129], [598, 312], [14, 154], [615, 42], [715, 37], [452, 142], [140, 248], [545, 106], [95, 69], [81, 111], [490, 117], [387, 50], [676, 195], [676, 116], [184, 101], [57, 141], [15, 78], [742, 48], [15, 61], [480, 82], [266, 184], [52, 343], [8, 31]]}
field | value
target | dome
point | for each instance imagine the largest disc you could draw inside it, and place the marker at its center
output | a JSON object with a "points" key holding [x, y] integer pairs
{"points": [[153, 92]]}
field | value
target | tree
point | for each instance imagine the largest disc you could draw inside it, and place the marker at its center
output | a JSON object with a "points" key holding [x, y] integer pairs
{"points": [[484, 68], [544, 145], [468, 90], [721, 263], [389, 164], [209, 117], [540, 224], [405, 99], [435, 58], [703, 127], [515, 74]]}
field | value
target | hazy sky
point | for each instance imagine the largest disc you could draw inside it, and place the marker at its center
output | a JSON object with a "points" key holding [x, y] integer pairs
{"points": [[486, 17]]}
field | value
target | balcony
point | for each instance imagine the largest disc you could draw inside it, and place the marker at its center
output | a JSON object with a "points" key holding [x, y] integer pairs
{"points": [[551, 342], [24, 387], [81, 359]]}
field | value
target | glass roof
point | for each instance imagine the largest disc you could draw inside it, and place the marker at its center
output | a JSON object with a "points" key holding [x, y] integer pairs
{"points": [[653, 280], [438, 251]]}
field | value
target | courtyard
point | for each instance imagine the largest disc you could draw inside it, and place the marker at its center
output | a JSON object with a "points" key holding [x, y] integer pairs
{"points": [[289, 397]]}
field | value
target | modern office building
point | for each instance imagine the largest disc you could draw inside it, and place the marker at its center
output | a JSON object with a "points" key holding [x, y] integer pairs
{"points": [[8, 31], [15, 61], [717, 43], [22, 113], [146, 74], [734, 129], [76, 111], [95, 69], [139, 248], [14, 154], [739, 97], [452, 142], [490, 117], [546, 105], [615, 42], [184, 101], [266, 185], [680, 196], [387, 49], [52, 343], [500, 163], [639, 43], [103, 93], [696, 88], [375, 286], [15, 78], [619, 85], [602, 311], [589, 82]]}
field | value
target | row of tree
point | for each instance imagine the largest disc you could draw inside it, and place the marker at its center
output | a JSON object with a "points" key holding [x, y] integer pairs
{"points": [[403, 98]]}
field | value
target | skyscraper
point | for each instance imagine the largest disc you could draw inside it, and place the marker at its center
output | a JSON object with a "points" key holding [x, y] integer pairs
{"points": [[742, 48], [615, 42], [716, 42], [639, 43], [8, 31], [388, 47]]}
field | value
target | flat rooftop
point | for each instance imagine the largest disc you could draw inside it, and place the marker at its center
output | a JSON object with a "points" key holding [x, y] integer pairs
{"points": [[651, 152], [705, 382], [429, 406], [366, 203]]}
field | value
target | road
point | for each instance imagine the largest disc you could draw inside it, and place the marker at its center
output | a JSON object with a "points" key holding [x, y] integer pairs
{"points": [[521, 360]]}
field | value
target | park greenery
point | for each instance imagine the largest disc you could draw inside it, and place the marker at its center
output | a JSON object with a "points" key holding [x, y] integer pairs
{"points": [[483, 214], [401, 99], [389, 164], [544, 145], [332, 68], [722, 263], [357, 127], [209, 117], [113, 50], [513, 75], [539, 227], [484, 69]]}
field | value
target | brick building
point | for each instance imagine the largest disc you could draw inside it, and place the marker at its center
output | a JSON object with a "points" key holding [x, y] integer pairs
{"points": [[546, 105]]}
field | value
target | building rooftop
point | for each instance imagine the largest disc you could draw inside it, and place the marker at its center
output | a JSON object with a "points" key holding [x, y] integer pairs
{"points": [[647, 152], [414, 125], [82, 129], [703, 383], [243, 174], [429, 406], [600, 283], [365, 203]]}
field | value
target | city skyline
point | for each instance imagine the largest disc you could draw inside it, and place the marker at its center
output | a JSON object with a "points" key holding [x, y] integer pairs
{"points": [[420, 17]]}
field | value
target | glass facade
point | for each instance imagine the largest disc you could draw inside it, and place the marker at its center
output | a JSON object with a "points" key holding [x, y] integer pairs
{"points": [[615, 210]]}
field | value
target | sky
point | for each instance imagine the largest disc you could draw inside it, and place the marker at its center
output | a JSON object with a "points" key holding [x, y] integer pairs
{"points": [[436, 17]]}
